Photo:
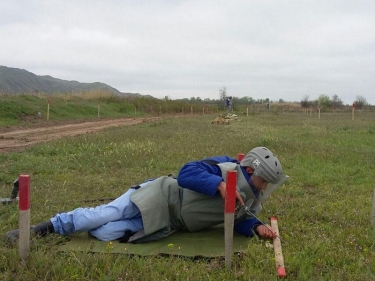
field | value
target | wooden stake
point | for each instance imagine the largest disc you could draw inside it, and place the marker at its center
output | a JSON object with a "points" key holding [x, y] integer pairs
{"points": [[24, 217], [48, 111], [353, 112], [279, 259], [230, 202]]}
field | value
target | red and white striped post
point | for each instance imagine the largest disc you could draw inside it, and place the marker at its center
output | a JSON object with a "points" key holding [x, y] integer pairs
{"points": [[230, 202], [240, 156], [24, 216]]}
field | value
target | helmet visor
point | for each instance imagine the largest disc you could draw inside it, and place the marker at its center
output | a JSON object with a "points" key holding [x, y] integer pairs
{"points": [[271, 187]]}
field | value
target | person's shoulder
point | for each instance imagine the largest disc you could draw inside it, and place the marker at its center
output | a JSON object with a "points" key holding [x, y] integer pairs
{"points": [[221, 158]]}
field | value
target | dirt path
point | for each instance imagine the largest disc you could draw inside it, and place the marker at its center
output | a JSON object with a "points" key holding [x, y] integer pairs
{"points": [[17, 139]]}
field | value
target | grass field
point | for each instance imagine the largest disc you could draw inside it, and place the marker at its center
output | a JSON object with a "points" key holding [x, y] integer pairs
{"points": [[324, 209]]}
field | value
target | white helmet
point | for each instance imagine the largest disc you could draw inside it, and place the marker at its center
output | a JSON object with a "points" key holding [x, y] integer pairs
{"points": [[264, 164]]}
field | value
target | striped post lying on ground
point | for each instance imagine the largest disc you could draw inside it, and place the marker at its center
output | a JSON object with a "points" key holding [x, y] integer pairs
{"points": [[230, 202], [24, 216], [279, 259]]}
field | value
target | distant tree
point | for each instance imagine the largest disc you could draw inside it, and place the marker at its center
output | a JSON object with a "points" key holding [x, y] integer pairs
{"points": [[245, 100], [305, 103], [315, 103], [360, 102], [281, 101], [325, 101], [251, 100], [336, 101], [223, 94], [260, 101]]}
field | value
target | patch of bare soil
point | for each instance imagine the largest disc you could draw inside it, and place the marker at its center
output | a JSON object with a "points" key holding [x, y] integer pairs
{"points": [[15, 139]]}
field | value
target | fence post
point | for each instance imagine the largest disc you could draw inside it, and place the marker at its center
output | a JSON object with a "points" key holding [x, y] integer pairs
{"points": [[48, 111], [353, 112]]}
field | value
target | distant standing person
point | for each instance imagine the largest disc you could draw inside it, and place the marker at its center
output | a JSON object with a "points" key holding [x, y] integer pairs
{"points": [[229, 104]]}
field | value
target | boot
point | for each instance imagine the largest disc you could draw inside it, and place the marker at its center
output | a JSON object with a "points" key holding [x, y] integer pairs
{"points": [[39, 230], [126, 237], [42, 229], [12, 236]]}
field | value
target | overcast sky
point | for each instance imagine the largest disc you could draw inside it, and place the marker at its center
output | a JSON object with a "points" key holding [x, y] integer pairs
{"points": [[276, 49]]}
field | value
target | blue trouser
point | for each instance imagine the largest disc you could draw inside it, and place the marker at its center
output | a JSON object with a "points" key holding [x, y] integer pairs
{"points": [[106, 222]]}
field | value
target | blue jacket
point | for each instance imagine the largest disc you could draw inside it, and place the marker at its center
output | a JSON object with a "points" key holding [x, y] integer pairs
{"points": [[204, 177]]}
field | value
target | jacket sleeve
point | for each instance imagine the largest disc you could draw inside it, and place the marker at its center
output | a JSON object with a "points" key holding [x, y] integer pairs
{"points": [[247, 227], [202, 177]]}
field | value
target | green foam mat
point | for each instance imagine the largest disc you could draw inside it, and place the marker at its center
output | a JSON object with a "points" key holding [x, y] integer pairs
{"points": [[206, 243]]}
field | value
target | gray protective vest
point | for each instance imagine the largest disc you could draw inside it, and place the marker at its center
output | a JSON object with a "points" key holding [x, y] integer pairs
{"points": [[159, 202], [166, 207]]}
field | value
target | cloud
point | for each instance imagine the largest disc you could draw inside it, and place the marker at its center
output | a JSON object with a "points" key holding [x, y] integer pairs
{"points": [[263, 49]]}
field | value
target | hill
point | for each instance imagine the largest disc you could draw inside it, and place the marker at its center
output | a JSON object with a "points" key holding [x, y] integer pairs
{"points": [[16, 81]]}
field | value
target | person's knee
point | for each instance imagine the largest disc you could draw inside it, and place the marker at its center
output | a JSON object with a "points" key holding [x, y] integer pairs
{"points": [[104, 233]]}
